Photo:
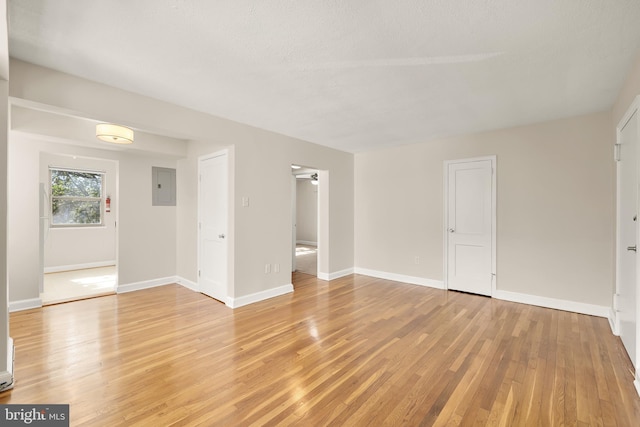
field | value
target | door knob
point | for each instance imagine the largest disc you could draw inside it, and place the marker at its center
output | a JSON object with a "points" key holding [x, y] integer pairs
{"points": [[631, 248], [221, 236], [451, 230]]}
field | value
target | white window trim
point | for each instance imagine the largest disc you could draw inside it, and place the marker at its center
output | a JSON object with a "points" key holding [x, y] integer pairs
{"points": [[101, 199]]}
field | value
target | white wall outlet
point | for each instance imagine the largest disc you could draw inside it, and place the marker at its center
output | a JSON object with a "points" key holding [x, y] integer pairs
{"points": [[245, 202], [267, 268], [276, 268], [416, 260]]}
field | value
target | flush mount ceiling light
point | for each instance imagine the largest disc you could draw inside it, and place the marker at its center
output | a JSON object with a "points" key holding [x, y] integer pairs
{"points": [[295, 167], [115, 134]]}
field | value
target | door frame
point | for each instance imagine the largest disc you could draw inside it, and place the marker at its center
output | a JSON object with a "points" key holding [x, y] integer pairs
{"points": [[229, 235], [322, 218], [445, 253], [294, 225], [614, 319], [43, 230]]}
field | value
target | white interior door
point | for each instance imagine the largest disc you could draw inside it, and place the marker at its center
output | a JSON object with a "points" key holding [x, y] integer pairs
{"points": [[470, 227], [212, 211], [627, 234]]}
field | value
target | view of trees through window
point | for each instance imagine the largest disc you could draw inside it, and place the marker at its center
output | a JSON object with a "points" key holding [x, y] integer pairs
{"points": [[76, 197]]}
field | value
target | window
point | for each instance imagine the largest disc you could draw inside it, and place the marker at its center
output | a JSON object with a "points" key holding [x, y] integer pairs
{"points": [[76, 197]]}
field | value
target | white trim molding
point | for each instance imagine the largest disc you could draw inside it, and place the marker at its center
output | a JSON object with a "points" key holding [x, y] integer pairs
{"points": [[146, 284], [613, 322], [24, 304], [306, 242], [187, 284], [72, 267], [259, 296], [557, 304], [438, 284], [335, 274], [6, 376]]}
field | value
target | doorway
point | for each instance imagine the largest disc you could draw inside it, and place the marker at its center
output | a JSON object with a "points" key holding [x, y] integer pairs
{"points": [[305, 224], [470, 225], [213, 225], [627, 230], [78, 237], [305, 228]]}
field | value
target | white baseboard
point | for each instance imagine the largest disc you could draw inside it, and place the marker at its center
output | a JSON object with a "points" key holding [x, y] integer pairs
{"points": [[146, 284], [6, 376], [259, 296], [335, 274], [72, 267], [188, 284], [613, 323], [557, 304], [24, 304], [306, 242], [438, 284]]}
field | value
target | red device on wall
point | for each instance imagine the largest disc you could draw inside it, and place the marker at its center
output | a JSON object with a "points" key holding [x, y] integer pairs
{"points": [[108, 204]]}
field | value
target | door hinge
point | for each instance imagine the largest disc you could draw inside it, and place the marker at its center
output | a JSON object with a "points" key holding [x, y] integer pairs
{"points": [[199, 273], [616, 152]]}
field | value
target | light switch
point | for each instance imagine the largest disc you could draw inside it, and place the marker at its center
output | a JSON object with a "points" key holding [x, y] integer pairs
{"points": [[245, 202]]}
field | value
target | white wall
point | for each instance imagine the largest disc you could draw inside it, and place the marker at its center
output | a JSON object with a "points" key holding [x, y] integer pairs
{"points": [[146, 233], [6, 373], [261, 170], [306, 212], [5, 362], [554, 207], [261, 233], [81, 245], [629, 90]]}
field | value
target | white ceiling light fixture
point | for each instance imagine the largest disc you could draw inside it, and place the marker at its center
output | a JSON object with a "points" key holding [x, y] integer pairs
{"points": [[295, 167], [115, 134]]}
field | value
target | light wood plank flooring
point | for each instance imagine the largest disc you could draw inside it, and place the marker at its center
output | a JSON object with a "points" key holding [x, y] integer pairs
{"points": [[307, 259], [355, 351]]}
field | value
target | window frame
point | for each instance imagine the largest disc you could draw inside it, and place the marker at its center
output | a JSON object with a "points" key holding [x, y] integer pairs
{"points": [[100, 199]]}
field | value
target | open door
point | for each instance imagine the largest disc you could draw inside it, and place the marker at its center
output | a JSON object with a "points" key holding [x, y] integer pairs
{"points": [[627, 232]]}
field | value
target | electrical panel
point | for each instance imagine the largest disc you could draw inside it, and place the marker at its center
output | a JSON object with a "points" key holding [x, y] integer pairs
{"points": [[163, 186]]}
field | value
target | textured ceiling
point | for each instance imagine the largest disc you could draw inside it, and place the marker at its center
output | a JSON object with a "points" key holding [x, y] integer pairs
{"points": [[353, 75]]}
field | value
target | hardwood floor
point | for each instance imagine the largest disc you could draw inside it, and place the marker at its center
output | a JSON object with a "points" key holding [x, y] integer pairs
{"points": [[354, 351], [307, 259]]}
